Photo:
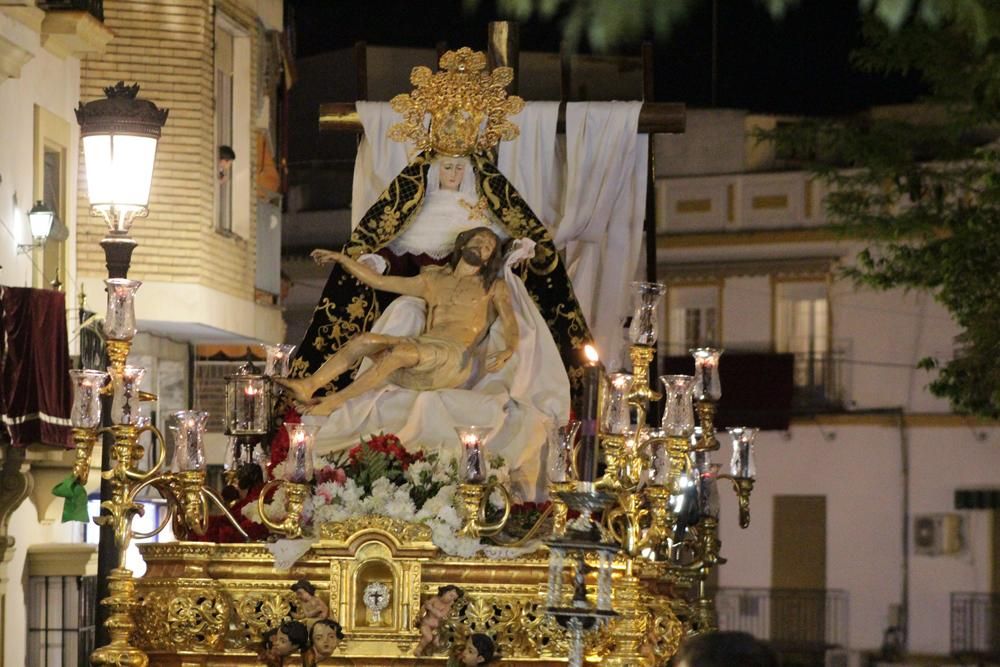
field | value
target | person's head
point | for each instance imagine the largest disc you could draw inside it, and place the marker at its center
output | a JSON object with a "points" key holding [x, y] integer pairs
{"points": [[451, 171], [479, 650], [723, 649], [479, 247], [291, 636], [326, 636], [303, 590], [450, 593], [226, 157]]}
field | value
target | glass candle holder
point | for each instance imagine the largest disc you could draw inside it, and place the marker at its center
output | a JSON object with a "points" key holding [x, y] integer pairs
{"points": [[590, 414], [659, 459], [742, 464], [678, 404], [86, 410], [472, 464], [119, 320], [707, 386], [279, 359], [618, 413], [189, 440], [248, 402], [125, 406], [562, 453], [645, 326], [298, 466]]}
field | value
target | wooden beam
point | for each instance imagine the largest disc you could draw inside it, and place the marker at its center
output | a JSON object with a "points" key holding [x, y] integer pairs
{"points": [[503, 49], [655, 117]]}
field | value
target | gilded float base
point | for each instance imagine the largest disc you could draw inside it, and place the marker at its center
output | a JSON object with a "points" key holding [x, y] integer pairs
{"points": [[209, 604]]}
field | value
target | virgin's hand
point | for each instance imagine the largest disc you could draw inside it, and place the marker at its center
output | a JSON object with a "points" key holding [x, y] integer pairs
{"points": [[321, 256], [497, 360]]}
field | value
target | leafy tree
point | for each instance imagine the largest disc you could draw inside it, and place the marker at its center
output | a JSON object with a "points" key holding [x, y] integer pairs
{"points": [[607, 24], [924, 188]]}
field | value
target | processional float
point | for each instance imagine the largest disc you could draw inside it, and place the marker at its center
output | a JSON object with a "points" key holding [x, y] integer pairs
{"points": [[614, 568]]}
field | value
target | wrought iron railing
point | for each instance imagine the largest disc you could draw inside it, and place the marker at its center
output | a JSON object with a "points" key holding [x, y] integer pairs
{"points": [[818, 381], [975, 624], [786, 617], [94, 7]]}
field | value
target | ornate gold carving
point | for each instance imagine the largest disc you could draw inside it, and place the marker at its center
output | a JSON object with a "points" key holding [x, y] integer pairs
{"points": [[458, 98], [258, 612], [191, 618], [404, 532]]}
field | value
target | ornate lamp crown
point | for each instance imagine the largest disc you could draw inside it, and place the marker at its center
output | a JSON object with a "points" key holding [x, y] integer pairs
{"points": [[468, 106]]}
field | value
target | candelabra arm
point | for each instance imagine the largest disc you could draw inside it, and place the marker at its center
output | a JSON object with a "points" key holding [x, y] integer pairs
{"points": [[743, 486], [85, 439], [225, 511], [291, 525], [532, 532], [161, 456]]}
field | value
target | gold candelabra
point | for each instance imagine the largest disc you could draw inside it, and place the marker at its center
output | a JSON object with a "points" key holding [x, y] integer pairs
{"points": [[184, 490]]}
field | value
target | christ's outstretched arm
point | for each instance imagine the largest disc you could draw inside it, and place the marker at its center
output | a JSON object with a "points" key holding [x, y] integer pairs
{"points": [[415, 286]]}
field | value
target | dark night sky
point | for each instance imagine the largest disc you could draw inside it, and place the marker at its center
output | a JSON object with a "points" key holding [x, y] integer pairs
{"points": [[798, 64]]}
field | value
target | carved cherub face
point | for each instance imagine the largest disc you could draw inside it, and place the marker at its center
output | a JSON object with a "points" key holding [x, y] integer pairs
{"points": [[303, 595], [451, 171], [449, 597], [281, 644], [324, 639], [469, 656]]}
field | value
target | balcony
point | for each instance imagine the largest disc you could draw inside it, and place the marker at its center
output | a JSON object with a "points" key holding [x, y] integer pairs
{"points": [[799, 624], [818, 381], [74, 27], [93, 7], [975, 625]]}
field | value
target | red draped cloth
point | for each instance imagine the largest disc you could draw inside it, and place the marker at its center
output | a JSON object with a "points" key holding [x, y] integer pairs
{"points": [[35, 391]]}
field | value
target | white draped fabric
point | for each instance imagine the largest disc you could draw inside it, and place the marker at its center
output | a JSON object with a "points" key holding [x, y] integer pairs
{"points": [[523, 401], [604, 206], [379, 160], [533, 161]]}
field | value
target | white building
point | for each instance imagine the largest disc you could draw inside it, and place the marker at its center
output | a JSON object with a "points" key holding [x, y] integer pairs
{"points": [[856, 499]]}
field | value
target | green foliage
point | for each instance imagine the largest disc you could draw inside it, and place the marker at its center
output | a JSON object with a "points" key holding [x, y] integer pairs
{"points": [[925, 191], [608, 24]]}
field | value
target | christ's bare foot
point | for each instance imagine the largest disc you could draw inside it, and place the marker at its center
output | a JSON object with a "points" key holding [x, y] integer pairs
{"points": [[299, 389]]}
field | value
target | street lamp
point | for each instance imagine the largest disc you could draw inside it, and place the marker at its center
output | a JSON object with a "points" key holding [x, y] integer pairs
{"points": [[119, 135], [40, 220]]}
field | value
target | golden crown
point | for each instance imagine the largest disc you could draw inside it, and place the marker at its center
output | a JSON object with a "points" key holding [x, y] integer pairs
{"points": [[459, 98]]}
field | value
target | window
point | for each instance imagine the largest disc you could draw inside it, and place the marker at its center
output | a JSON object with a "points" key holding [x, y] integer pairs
{"points": [[692, 318], [61, 602], [232, 126], [802, 327], [52, 137]]}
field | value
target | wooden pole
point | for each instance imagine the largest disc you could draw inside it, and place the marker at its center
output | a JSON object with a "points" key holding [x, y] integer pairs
{"points": [[503, 49], [649, 224]]}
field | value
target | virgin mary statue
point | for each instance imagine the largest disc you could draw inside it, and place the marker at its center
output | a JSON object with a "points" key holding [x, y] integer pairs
{"points": [[415, 222]]}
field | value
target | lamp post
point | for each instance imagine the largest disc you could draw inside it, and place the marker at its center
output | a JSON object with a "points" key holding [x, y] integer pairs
{"points": [[120, 134]]}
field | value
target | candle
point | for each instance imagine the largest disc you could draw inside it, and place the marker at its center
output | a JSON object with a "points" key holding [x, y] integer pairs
{"points": [[473, 447], [250, 392], [593, 381]]}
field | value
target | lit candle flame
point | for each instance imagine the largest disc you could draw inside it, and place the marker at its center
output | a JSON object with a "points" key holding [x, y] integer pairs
{"points": [[591, 353]]}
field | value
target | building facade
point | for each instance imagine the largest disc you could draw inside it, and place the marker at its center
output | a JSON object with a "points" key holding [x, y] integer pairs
{"points": [[855, 529]]}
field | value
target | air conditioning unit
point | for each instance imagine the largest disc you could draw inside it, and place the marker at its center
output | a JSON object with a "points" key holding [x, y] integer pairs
{"points": [[938, 534]]}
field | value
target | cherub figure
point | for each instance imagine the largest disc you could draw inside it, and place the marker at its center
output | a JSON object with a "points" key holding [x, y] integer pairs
{"points": [[326, 636], [310, 607], [463, 299], [479, 651], [282, 642], [435, 610]]}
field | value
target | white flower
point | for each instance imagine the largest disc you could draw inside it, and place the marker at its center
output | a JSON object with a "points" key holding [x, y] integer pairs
{"points": [[416, 470], [443, 498]]}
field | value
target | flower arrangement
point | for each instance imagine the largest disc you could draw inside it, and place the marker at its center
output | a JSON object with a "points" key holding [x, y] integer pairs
{"points": [[379, 476]]}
